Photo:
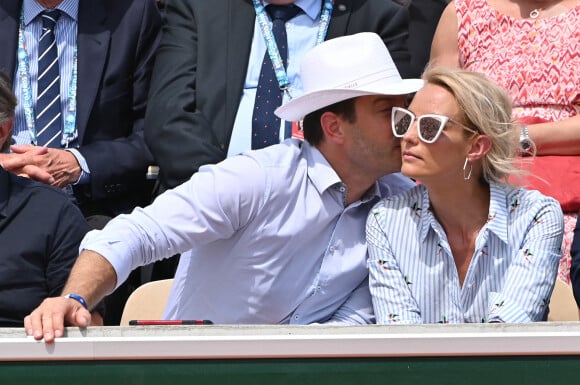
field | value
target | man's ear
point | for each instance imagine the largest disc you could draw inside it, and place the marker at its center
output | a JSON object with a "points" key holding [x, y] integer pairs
{"points": [[332, 127], [479, 148], [6, 131]]}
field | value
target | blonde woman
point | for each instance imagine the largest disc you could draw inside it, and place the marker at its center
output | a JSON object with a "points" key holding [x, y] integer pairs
{"points": [[463, 246]]}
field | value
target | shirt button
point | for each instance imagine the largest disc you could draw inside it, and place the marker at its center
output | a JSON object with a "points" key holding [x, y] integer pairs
{"points": [[331, 249], [342, 189], [296, 316]]}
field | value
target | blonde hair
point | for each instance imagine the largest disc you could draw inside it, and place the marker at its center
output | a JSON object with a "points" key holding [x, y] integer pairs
{"points": [[487, 108]]}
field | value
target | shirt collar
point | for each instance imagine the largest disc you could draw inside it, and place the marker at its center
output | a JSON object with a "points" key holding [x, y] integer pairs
{"points": [[323, 176], [32, 9], [320, 172], [421, 209], [312, 8], [497, 219], [500, 206]]}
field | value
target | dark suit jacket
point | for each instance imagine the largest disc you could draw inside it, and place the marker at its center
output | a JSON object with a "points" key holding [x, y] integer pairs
{"points": [[117, 40], [425, 16], [201, 66]]}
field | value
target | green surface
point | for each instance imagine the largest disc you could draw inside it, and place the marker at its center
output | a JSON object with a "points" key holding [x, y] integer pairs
{"points": [[364, 371]]}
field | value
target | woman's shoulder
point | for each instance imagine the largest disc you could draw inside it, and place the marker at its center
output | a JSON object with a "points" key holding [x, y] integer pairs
{"points": [[403, 199], [528, 202]]}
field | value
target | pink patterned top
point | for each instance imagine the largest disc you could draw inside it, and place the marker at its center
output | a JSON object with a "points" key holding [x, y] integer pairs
{"points": [[536, 60]]}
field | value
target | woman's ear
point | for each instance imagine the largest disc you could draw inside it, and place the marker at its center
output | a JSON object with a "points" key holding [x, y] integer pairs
{"points": [[479, 148], [332, 127]]}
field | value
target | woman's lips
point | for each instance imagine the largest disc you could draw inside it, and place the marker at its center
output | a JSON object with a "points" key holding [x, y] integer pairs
{"points": [[408, 155]]}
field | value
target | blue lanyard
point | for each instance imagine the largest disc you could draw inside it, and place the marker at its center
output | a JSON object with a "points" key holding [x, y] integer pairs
{"points": [[266, 28], [70, 133]]}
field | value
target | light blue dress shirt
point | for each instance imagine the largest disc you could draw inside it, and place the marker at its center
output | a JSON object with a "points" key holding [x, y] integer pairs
{"points": [[413, 277], [270, 238], [301, 31], [66, 38]]}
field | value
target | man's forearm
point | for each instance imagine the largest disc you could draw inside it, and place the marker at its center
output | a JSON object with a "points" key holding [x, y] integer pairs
{"points": [[91, 277]]}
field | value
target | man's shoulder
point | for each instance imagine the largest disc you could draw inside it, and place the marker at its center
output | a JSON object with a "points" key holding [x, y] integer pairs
{"points": [[123, 5], [50, 206], [33, 192], [407, 198], [205, 7], [521, 202], [126, 12], [279, 165], [277, 162], [393, 184], [396, 208], [281, 155]]}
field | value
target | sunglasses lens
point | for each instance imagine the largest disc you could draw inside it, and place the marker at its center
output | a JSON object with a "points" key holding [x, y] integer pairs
{"points": [[429, 128], [402, 120]]}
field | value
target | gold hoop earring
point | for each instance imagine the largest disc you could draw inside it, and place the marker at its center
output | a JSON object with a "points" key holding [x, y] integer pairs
{"points": [[468, 176]]}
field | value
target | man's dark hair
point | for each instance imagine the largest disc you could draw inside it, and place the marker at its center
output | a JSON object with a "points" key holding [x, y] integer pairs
{"points": [[7, 98], [311, 123], [7, 104]]}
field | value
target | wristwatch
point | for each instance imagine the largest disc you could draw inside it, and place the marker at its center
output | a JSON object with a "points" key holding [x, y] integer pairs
{"points": [[525, 141]]}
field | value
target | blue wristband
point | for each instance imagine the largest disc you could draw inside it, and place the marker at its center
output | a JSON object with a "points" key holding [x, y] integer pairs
{"points": [[79, 299]]}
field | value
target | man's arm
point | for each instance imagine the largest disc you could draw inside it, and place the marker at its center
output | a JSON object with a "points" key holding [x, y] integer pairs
{"points": [[357, 309], [114, 146], [392, 299], [180, 137], [530, 279], [445, 48], [189, 215], [71, 228], [92, 277], [47, 165]]}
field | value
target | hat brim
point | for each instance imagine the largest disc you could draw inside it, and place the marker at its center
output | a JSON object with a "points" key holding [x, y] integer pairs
{"points": [[296, 109]]}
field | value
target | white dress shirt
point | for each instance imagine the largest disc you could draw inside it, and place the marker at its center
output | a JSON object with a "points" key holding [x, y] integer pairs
{"points": [[269, 236]]}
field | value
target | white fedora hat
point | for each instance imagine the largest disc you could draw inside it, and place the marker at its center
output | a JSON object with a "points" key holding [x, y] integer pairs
{"points": [[343, 68]]}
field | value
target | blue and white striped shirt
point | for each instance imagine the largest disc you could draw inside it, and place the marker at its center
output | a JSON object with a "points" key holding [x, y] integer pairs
{"points": [[413, 277]]}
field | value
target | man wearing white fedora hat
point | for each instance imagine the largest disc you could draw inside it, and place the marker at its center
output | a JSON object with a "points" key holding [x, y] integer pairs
{"points": [[274, 235]]}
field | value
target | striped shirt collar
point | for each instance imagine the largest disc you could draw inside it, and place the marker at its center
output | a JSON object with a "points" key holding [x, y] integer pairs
{"points": [[500, 207], [32, 9]]}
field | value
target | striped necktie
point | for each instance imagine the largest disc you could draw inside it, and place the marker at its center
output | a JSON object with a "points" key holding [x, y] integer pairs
{"points": [[265, 124], [48, 107]]}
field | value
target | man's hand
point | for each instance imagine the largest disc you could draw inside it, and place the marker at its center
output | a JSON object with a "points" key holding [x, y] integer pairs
{"points": [[48, 320], [52, 166], [22, 165]]}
